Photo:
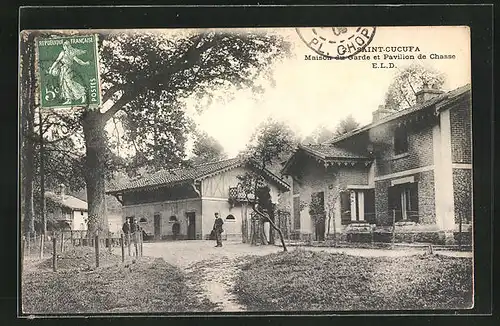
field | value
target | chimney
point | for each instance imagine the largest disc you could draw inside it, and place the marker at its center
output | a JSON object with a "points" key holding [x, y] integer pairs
{"points": [[380, 113], [62, 191], [426, 93]]}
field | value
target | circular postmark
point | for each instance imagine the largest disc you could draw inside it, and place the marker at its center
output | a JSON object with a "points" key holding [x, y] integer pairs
{"points": [[337, 42]]}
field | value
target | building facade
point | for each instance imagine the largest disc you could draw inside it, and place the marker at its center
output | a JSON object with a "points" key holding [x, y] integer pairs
{"points": [[411, 168], [190, 197], [67, 211]]}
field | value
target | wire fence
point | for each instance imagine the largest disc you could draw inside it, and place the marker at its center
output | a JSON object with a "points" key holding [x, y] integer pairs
{"points": [[103, 247]]}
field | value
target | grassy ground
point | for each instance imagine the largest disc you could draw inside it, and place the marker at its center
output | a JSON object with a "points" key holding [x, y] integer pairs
{"points": [[306, 280], [148, 285]]}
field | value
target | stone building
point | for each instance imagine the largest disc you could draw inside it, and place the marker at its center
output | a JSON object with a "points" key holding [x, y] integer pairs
{"points": [[191, 196], [413, 167]]}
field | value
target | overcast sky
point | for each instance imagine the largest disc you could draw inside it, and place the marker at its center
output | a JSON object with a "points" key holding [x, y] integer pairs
{"points": [[310, 93]]}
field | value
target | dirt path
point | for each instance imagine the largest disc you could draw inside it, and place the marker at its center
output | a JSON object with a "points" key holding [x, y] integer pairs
{"points": [[216, 278], [211, 272]]}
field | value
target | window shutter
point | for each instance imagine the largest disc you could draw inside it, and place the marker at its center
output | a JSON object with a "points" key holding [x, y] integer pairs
{"points": [[394, 195], [345, 207], [414, 213], [370, 206]]}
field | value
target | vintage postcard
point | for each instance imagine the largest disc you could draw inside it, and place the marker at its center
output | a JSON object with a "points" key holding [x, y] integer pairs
{"points": [[171, 171]]}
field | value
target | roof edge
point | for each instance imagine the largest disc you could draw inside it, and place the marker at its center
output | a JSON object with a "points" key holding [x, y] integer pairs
{"points": [[466, 88]]}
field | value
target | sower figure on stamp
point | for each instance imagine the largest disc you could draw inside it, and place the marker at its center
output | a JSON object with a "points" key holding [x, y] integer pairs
{"points": [[63, 67], [218, 229]]}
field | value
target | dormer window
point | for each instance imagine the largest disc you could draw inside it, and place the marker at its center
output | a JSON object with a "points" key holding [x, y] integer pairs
{"points": [[400, 140]]}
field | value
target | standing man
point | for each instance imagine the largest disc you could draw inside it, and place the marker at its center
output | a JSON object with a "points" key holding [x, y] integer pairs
{"points": [[218, 229], [134, 229], [126, 229]]}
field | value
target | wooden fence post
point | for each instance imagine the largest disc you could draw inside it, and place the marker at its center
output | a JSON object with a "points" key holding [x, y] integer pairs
{"points": [[109, 241], [71, 237], [393, 227], [54, 254], [122, 245], [97, 250], [136, 244], [81, 238], [41, 245], [62, 241], [128, 244], [29, 243], [142, 240]]}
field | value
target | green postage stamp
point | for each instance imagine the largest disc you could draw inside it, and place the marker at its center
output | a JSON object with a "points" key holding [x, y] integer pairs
{"points": [[68, 69]]}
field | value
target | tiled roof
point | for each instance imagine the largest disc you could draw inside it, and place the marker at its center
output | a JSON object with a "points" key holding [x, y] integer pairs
{"points": [[69, 201], [190, 174], [448, 96], [326, 151]]}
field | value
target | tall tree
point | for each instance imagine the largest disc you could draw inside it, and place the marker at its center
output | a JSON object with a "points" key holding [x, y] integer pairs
{"points": [[27, 103], [57, 132], [320, 135], [271, 142], [206, 149], [158, 69], [407, 82], [346, 125]]}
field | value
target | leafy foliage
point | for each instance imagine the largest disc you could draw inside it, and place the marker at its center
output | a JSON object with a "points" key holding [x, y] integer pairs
{"points": [[346, 125], [206, 149], [320, 135], [271, 143], [407, 82], [145, 77]]}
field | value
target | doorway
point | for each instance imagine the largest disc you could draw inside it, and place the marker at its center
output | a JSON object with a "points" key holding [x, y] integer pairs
{"points": [[157, 226], [191, 229], [317, 210]]}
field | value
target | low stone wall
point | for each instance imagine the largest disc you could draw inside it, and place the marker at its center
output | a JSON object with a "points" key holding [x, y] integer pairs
{"points": [[405, 232]]}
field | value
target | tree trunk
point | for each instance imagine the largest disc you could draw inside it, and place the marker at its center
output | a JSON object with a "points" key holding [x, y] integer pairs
{"points": [[28, 180], [95, 169], [271, 231], [273, 226], [28, 130]]}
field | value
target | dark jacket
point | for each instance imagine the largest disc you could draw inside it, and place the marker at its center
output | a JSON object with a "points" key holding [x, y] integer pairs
{"points": [[134, 227], [218, 224], [126, 228]]}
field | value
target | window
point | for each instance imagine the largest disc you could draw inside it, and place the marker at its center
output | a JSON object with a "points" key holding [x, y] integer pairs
{"points": [[172, 218], [400, 140], [345, 207], [357, 206], [370, 206], [81, 213], [230, 218], [403, 202]]}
